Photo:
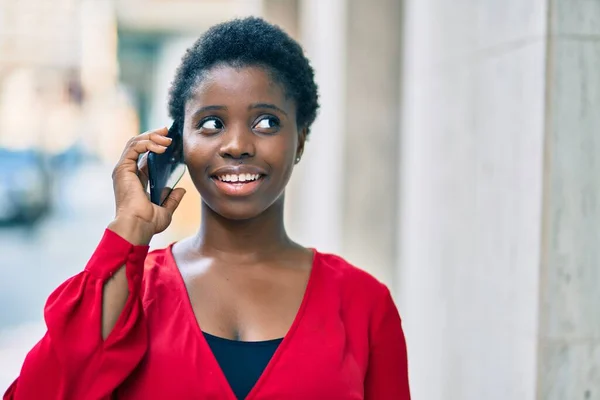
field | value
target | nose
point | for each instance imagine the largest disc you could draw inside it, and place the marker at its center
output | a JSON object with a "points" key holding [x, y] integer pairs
{"points": [[238, 143]]}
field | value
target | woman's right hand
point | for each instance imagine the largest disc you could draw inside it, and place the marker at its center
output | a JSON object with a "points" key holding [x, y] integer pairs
{"points": [[137, 219]]}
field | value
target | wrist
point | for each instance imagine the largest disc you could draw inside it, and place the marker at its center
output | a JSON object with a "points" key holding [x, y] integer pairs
{"points": [[134, 230]]}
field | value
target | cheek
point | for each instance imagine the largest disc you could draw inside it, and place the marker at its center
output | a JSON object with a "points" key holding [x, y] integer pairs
{"points": [[281, 155], [196, 155]]}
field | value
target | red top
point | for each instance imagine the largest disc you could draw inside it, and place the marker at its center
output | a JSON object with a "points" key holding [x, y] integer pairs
{"points": [[346, 341]]}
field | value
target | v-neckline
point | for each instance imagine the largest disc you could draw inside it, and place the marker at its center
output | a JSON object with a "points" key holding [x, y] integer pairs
{"points": [[280, 349]]}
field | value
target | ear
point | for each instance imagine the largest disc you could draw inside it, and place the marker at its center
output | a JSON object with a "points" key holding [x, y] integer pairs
{"points": [[301, 141]]}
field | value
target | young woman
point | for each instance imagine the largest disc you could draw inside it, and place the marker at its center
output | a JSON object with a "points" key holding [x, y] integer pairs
{"points": [[238, 311]]}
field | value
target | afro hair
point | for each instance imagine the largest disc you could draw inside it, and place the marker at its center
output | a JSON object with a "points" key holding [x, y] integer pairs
{"points": [[248, 42]]}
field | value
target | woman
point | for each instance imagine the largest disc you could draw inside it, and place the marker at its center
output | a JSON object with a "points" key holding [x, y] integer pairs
{"points": [[239, 310]]}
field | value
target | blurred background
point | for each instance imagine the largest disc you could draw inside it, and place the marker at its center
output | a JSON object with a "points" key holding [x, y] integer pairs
{"points": [[456, 157]]}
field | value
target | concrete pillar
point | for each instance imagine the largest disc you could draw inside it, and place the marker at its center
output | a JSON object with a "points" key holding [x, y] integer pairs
{"points": [[315, 193], [471, 191], [371, 132], [285, 14], [569, 330], [342, 198], [499, 189]]}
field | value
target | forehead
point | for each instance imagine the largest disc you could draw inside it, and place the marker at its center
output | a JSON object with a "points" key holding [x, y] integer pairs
{"points": [[226, 85]]}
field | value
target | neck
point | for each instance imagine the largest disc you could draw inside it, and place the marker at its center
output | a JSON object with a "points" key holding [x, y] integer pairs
{"points": [[252, 238]]}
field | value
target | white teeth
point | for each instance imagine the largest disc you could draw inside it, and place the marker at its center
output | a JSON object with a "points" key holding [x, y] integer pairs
{"points": [[239, 178], [246, 177]]}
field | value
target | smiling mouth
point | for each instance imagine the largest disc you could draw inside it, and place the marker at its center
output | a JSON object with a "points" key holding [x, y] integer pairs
{"points": [[238, 184], [238, 178]]}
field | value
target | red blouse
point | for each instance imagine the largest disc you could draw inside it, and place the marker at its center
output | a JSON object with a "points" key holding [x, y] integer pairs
{"points": [[346, 341]]}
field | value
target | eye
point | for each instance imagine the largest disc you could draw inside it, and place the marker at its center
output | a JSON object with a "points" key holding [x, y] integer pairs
{"points": [[211, 124], [267, 123]]}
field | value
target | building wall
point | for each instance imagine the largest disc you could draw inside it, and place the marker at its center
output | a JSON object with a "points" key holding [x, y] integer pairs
{"points": [[341, 198], [371, 130], [569, 317], [471, 188], [499, 238], [314, 195]]}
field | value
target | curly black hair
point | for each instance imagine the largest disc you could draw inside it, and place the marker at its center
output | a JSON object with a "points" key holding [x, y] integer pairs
{"points": [[248, 42]]}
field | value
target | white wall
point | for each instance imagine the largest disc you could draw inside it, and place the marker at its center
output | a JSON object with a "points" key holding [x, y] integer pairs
{"points": [[569, 359], [169, 58], [314, 196], [471, 196]]}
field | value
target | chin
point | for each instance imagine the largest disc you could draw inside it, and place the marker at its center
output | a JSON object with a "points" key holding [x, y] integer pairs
{"points": [[237, 212]]}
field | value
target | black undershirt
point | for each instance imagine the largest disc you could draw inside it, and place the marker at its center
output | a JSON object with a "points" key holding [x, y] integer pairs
{"points": [[242, 363]]}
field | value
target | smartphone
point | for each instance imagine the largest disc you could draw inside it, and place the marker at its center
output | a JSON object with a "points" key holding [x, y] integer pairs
{"points": [[166, 169]]}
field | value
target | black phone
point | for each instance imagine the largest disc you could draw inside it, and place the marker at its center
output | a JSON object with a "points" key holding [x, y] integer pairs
{"points": [[166, 169]]}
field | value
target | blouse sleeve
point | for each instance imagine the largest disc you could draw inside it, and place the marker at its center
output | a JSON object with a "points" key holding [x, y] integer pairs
{"points": [[72, 361], [387, 373]]}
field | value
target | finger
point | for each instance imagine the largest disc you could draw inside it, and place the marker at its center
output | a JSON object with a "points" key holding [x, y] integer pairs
{"points": [[157, 136], [155, 141], [142, 167], [174, 199], [157, 132], [131, 154], [139, 147]]}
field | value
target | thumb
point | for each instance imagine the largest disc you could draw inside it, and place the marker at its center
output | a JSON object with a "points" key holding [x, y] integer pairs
{"points": [[174, 199]]}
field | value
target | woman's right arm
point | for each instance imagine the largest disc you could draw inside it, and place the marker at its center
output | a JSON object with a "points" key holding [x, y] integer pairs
{"points": [[96, 328]]}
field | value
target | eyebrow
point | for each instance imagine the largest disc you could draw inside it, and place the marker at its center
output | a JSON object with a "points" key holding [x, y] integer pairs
{"points": [[250, 107], [208, 108], [268, 106]]}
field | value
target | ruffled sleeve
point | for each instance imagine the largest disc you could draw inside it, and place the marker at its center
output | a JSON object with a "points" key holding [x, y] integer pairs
{"points": [[72, 361]]}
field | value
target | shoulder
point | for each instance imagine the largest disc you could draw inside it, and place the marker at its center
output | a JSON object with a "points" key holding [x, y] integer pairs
{"points": [[160, 272], [351, 275], [364, 300], [156, 257], [355, 283]]}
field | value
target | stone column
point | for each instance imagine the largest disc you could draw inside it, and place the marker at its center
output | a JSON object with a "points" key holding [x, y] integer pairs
{"points": [[342, 197], [471, 193], [284, 13], [499, 192], [371, 133], [569, 319], [314, 195]]}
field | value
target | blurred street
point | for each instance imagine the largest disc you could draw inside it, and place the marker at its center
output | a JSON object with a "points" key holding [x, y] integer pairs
{"points": [[36, 260]]}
